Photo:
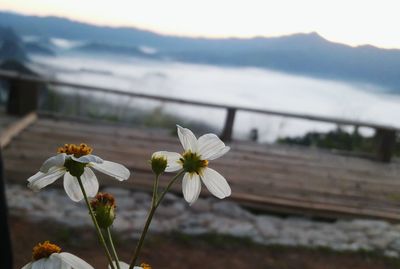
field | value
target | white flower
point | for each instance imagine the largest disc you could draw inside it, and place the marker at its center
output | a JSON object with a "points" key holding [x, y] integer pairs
{"points": [[49, 256], [194, 161], [62, 260], [66, 162], [124, 265]]}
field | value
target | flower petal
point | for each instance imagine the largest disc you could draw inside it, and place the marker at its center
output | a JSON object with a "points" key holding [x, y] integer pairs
{"points": [[56, 262], [187, 138], [72, 188], [173, 162], [115, 170], [74, 261], [27, 266], [90, 182], [88, 159], [219, 154], [191, 187], [41, 180], [44, 263], [211, 147], [39, 264], [57, 161], [216, 183]]}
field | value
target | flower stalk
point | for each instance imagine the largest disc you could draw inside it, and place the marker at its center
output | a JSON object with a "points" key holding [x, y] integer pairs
{"points": [[98, 230], [154, 204], [110, 240]]}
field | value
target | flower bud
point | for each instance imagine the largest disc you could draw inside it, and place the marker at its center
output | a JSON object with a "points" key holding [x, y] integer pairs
{"points": [[103, 206], [158, 163]]}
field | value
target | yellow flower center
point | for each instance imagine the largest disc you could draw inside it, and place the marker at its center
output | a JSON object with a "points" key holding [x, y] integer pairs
{"points": [[145, 266], [76, 150], [44, 250], [192, 163]]}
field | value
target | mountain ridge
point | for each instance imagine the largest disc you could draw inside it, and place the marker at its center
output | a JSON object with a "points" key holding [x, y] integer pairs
{"points": [[307, 54]]}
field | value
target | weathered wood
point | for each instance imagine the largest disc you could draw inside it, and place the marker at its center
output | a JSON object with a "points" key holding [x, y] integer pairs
{"points": [[15, 128], [23, 97], [385, 141], [228, 127], [269, 177]]}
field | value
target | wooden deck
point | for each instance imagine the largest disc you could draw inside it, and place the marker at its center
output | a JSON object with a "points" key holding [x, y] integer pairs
{"points": [[274, 178]]}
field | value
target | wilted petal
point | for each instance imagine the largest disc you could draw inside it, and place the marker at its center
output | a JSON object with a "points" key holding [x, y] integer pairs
{"points": [[211, 147], [216, 183], [88, 159], [72, 188], [115, 170], [41, 180], [173, 162], [55, 161], [191, 187], [187, 138], [74, 261]]}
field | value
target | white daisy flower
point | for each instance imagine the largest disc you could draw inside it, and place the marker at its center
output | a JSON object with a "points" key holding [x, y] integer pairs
{"points": [[72, 161], [123, 265], [194, 161], [49, 256]]}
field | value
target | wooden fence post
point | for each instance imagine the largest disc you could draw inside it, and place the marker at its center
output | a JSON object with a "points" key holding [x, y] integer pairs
{"points": [[228, 127], [385, 141], [23, 97]]}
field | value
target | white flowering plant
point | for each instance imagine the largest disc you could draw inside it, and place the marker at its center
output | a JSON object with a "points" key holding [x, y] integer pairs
{"points": [[75, 163]]}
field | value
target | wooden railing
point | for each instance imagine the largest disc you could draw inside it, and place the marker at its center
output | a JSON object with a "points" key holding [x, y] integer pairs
{"points": [[385, 136]]}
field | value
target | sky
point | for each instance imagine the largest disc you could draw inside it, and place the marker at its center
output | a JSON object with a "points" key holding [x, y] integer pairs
{"points": [[353, 22]]}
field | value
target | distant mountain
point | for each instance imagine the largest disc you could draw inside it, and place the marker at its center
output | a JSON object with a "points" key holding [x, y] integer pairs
{"points": [[38, 48], [111, 49], [11, 46], [306, 54]]}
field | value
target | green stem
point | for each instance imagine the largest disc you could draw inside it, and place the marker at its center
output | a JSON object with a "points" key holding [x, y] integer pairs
{"points": [[155, 191], [168, 187], [155, 203], [113, 247], [99, 234]]}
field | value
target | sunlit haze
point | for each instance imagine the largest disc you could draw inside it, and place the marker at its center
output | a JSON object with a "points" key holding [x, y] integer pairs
{"points": [[352, 22]]}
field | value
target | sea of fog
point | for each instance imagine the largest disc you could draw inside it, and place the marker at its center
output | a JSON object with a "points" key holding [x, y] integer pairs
{"points": [[249, 87]]}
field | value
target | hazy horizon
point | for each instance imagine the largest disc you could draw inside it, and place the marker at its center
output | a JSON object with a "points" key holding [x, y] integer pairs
{"points": [[249, 87], [258, 18]]}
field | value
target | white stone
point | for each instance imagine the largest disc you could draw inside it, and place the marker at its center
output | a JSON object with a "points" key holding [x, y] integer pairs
{"points": [[231, 209], [267, 226], [201, 205], [208, 216]]}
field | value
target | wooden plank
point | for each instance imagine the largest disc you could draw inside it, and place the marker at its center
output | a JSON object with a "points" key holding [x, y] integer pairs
{"points": [[269, 177], [293, 202], [14, 129], [133, 147]]}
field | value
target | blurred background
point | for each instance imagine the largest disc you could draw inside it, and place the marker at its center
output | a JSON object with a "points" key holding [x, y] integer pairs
{"points": [[306, 93]]}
